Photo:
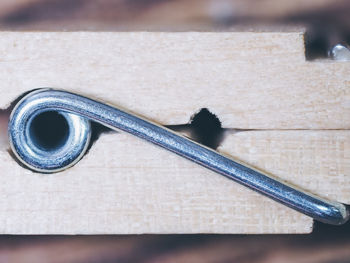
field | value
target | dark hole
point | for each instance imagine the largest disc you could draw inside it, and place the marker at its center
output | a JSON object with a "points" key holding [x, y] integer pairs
{"points": [[49, 130], [316, 45], [204, 127], [207, 129]]}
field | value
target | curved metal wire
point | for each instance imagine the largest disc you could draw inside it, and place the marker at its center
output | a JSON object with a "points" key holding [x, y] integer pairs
{"points": [[84, 109]]}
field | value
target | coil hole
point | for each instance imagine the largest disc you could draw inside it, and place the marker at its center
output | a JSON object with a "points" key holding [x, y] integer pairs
{"points": [[49, 130]]}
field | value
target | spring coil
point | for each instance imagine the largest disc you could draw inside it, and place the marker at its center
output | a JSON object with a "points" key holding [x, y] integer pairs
{"points": [[79, 111]]}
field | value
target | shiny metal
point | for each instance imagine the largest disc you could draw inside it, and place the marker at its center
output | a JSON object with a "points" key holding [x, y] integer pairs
{"points": [[42, 159], [340, 53], [70, 104]]}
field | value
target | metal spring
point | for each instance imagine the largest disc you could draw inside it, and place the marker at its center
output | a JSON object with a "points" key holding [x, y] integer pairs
{"points": [[79, 110]]}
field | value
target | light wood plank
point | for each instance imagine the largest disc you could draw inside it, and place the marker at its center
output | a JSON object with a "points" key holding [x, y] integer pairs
{"points": [[125, 185], [117, 188], [249, 80], [316, 161]]}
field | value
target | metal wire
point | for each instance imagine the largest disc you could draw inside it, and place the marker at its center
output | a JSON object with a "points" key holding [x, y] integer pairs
{"points": [[79, 110]]}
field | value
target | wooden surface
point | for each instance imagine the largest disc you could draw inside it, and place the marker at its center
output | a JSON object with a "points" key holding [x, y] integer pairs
{"points": [[328, 244], [172, 15], [124, 185], [255, 81]]}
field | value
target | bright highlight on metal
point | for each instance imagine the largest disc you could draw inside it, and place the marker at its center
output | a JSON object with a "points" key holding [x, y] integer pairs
{"points": [[79, 111], [340, 53]]}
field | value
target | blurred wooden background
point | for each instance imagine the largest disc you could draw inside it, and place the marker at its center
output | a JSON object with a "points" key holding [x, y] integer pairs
{"points": [[327, 23], [325, 245]]}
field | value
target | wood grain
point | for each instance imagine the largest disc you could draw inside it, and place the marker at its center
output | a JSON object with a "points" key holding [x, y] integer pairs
{"points": [[317, 161], [124, 185], [249, 80]]}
